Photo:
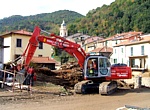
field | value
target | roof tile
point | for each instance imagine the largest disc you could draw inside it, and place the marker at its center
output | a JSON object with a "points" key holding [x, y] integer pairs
{"points": [[43, 60], [103, 49], [23, 32]]}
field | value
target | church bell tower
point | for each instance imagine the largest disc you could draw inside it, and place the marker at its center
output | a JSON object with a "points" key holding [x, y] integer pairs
{"points": [[63, 30]]}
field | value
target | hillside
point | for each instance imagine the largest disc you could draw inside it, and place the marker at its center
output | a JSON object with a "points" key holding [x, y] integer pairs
{"points": [[120, 16], [47, 21]]}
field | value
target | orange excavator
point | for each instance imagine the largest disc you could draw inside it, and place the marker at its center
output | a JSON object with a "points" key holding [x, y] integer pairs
{"points": [[101, 77]]}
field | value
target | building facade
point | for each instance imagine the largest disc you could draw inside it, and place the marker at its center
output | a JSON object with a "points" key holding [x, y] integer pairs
{"points": [[134, 53], [17, 42]]}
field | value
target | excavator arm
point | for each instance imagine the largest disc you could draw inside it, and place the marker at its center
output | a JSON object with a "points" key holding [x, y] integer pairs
{"points": [[56, 41]]}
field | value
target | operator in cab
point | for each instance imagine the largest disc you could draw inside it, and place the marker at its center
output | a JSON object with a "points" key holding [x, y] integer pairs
{"points": [[92, 67]]}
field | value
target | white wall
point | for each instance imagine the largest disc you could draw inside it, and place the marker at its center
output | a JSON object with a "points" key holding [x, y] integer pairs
{"points": [[137, 52], [7, 51], [119, 53]]}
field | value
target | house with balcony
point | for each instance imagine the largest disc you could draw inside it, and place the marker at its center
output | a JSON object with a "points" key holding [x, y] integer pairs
{"points": [[134, 52], [120, 39], [16, 42]]}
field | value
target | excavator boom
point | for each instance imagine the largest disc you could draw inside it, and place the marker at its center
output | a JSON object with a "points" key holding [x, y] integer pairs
{"points": [[31, 47], [56, 41]]}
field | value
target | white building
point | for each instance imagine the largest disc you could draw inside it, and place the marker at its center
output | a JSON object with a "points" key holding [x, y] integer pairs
{"points": [[133, 52]]}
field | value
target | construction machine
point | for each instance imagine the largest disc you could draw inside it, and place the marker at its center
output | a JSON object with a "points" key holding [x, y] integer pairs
{"points": [[98, 74]]}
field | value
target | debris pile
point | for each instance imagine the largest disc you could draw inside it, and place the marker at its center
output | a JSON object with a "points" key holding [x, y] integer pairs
{"points": [[68, 75]]}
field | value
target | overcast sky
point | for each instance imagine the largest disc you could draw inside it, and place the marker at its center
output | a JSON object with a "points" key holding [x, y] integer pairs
{"points": [[33, 7]]}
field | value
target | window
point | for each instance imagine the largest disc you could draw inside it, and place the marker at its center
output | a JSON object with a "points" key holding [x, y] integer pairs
{"points": [[65, 34], [122, 50], [131, 51], [92, 67], [1, 41], [40, 45], [132, 62], [82, 38], [103, 66], [103, 62], [106, 42], [142, 50], [19, 43], [115, 60], [40, 55]]}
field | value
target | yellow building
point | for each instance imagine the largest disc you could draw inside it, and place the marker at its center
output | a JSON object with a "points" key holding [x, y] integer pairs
{"points": [[17, 42]]}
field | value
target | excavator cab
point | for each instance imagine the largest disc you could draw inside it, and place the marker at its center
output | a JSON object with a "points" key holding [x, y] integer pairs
{"points": [[96, 70], [96, 67]]}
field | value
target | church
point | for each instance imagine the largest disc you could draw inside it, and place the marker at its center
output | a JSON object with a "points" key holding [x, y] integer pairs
{"points": [[63, 30]]}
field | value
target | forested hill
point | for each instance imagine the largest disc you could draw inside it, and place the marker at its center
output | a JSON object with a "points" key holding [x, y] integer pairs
{"points": [[46, 21], [120, 16]]}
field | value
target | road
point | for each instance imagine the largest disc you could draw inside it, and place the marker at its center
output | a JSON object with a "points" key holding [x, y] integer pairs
{"points": [[139, 97]]}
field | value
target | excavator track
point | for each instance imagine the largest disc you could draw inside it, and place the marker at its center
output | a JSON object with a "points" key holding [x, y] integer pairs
{"points": [[107, 88], [104, 88], [83, 86]]}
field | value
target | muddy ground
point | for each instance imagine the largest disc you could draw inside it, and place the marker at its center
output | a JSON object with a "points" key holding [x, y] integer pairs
{"points": [[52, 91], [46, 96]]}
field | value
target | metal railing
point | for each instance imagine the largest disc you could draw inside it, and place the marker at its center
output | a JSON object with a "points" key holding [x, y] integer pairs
{"points": [[16, 77]]}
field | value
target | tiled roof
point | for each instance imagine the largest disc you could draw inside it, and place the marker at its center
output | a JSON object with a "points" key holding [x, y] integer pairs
{"points": [[127, 35], [103, 49], [74, 35], [122, 43], [122, 36], [137, 41], [43, 60], [92, 39], [22, 32], [106, 39]]}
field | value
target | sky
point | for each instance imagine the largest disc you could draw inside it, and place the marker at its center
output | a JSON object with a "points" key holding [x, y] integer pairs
{"points": [[33, 7]]}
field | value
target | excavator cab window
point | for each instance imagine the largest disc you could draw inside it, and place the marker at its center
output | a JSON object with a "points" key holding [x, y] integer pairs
{"points": [[104, 65], [92, 67], [97, 66]]}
